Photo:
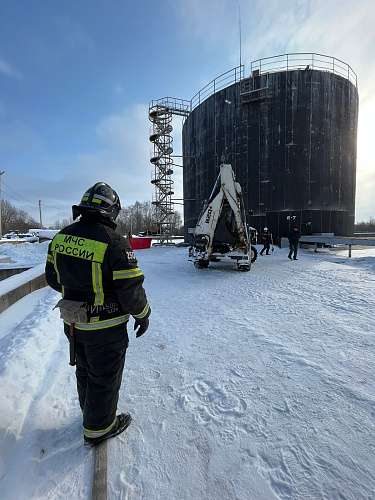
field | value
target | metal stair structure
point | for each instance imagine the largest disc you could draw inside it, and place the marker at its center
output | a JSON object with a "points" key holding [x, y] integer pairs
{"points": [[160, 114]]}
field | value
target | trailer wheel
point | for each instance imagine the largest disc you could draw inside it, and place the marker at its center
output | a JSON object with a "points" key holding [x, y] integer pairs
{"points": [[244, 267], [254, 253], [201, 264]]}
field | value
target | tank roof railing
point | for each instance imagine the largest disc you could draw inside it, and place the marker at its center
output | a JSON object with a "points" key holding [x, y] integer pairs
{"points": [[305, 61], [173, 104], [283, 62], [183, 107], [234, 75]]}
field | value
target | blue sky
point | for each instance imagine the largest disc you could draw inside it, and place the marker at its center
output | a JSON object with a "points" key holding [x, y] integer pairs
{"points": [[76, 78]]}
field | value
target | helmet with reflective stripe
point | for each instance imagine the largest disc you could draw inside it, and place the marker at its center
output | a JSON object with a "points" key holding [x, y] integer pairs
{"points": [[101, 199]]}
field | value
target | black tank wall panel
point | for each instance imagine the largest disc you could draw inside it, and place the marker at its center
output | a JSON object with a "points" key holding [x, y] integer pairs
{"points": [[292, 147]]}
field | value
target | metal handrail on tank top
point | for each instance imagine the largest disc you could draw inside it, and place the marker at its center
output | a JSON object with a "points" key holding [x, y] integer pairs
{"points": [[303, 61]]}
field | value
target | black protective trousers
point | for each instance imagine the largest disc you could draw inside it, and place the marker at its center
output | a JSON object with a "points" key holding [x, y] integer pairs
{"points": [[100, 359], [266, 246], [293, 249]]}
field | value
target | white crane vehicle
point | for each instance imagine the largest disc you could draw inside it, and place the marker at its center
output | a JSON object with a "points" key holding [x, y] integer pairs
{"points": [[221, 232]]}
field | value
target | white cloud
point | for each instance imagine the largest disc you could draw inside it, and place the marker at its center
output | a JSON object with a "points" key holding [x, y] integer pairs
{"points": [[365, 206], [123, 163], [336, 28], [365, 203], [7, 69]]}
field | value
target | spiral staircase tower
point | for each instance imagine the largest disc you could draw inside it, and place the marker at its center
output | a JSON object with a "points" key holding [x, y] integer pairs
{"points": [[160, 115]]}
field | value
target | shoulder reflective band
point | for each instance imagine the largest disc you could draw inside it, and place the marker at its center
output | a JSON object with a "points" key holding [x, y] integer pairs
{"points": [[82, 248], [143, 313], [127, 273]]}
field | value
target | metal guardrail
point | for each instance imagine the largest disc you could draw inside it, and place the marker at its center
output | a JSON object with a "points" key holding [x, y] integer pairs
{"points": [[337, 240], [178, 106], [184, 107], [306, 61], [228, 78], [283, 62]]}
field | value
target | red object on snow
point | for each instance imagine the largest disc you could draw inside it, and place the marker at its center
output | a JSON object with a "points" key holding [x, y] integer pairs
{"points": [[140, 243]]}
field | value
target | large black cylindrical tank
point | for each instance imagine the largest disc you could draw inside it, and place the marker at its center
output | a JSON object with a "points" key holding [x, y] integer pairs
{"points": [[290, 137]]}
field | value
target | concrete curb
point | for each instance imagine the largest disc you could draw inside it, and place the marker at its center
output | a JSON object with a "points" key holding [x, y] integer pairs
{"points": [[11, 271], [23, 284]]}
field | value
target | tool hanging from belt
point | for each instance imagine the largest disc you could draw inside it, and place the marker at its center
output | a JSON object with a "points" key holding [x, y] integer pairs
{"points": [[72, 346], [72, 311]]}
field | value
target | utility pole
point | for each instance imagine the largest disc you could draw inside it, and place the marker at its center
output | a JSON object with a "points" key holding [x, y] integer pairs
{"points": [[1, 173], [40, 214]]}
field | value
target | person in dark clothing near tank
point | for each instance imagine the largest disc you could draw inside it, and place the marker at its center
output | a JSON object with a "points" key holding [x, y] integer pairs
{"points": [[101, 284], [267, 241], [293, 238]]}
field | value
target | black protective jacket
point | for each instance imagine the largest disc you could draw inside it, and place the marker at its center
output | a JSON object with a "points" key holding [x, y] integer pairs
{"points": [[266, 238], [294, 237], [90, 263]]}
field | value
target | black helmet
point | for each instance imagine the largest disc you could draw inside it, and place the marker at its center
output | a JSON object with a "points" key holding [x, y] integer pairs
{"points": [[100, 199]]}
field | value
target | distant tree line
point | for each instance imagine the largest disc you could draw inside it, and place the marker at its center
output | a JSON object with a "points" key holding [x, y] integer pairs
{"points": [[141, 217], [137, 218], [13, 219], [365, 227], [134, 218], [61, 224]]}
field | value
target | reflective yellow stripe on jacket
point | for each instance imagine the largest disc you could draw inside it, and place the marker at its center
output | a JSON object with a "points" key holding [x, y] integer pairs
{"points": [[97, 284], [99, 325], [127, 273]]}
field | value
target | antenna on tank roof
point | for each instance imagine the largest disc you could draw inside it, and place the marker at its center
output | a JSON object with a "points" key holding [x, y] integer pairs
{"points": [[239, 22]]}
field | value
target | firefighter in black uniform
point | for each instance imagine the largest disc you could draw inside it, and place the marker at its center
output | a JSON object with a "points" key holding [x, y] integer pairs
{"points": [[293, 238], [96, 272], [267, 240]]}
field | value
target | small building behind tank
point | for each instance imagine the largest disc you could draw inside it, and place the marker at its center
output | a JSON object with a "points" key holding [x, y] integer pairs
{"points": [[290, 133]]}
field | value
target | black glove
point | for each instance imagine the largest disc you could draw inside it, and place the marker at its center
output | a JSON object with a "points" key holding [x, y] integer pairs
{"points": [[142, 324]]}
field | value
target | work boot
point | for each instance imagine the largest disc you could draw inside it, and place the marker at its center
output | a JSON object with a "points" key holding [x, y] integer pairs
{"points": [[295, 258], [289, 257], [122, 422]]}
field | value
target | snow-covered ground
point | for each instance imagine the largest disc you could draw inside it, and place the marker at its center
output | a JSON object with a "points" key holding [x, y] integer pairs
{"points": [[252, 386]]}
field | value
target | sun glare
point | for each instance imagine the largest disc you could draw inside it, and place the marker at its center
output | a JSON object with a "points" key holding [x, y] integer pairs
{"points": [[365, 152]]}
